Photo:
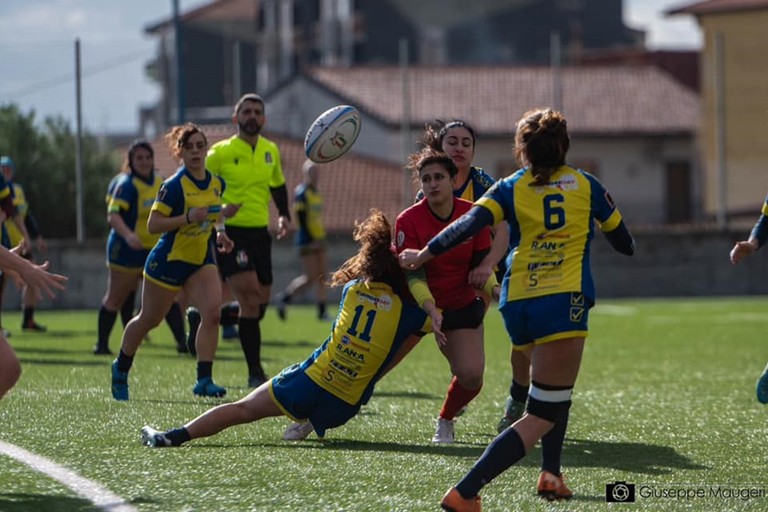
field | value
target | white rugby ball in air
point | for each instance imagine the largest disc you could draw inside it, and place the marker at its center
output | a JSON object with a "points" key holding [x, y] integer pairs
{"points": [[332, 134]]}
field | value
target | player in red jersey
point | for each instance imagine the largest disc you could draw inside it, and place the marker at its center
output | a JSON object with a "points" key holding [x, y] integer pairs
{"points": [[445, 281]]}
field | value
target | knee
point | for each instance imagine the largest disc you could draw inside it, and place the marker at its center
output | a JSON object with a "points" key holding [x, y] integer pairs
{"points": [[10, 375], [147, 321], [550, 403], [470, 377], [211, 314]]}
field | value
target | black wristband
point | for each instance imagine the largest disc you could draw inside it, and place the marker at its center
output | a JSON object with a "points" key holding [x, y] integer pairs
{"points": [[187, 216]]}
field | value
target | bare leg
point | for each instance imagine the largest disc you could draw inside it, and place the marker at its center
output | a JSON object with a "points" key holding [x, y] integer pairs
{"points": [[258, 404]]}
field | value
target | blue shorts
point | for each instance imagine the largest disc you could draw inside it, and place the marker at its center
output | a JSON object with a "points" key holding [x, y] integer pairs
{"points": [[122, 257], [548, 318], [173, 274], [300, 398]]}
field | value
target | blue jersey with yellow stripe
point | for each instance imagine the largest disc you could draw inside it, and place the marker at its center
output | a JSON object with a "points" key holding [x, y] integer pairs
{"points": [[132, 196], [177, 195], [372, 324], [308, 206], [551, 228]]}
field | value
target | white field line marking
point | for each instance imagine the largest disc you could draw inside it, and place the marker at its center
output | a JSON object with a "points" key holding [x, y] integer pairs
{"points": [[88, 489]]}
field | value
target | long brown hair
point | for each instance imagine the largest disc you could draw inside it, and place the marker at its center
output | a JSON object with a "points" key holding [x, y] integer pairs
{"points": [[542, 142], [179, 135], [374, 260]]}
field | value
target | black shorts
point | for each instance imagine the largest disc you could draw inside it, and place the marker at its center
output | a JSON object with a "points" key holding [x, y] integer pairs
{"points": [[252, 253], [468, 317]]}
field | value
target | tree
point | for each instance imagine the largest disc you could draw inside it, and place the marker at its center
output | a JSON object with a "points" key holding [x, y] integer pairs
{"points": [[44, 158]]}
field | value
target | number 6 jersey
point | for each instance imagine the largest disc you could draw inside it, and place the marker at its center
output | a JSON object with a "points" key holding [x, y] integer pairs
{"points": [[550, 229]]}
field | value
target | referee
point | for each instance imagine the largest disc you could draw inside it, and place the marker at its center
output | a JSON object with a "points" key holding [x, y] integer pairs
{"points": [[250, 165]]}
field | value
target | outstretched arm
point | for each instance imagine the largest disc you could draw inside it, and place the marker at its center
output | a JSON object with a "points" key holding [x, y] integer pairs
{"points": [[757, 239], [451, 236]]}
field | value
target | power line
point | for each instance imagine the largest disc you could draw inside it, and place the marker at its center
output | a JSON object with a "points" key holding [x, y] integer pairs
{"points": [[69, 77]]}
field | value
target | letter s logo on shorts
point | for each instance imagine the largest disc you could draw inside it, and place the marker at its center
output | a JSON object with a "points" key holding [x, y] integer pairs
{"points": [[242, 258]]}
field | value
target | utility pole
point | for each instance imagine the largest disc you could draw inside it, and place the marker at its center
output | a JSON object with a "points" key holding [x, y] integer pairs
{"points": [[180, 100], [78, 149]]}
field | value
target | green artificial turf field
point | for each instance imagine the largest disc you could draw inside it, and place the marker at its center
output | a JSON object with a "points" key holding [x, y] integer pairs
{"points": [[665, 401]]}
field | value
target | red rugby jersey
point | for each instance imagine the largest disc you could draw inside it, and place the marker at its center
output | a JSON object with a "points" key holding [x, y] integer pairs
{"points": [[447, 274]]}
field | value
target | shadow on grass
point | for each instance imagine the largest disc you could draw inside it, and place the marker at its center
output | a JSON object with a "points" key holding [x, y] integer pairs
{"points": [[57, 334], [642, 458], [18, 502], [12, 502], [649, 459], [406, 394], [454, 450], [61, 362]]}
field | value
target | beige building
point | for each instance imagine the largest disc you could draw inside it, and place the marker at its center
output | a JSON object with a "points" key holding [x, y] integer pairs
{"points": [[734, 104], [633, 126]]}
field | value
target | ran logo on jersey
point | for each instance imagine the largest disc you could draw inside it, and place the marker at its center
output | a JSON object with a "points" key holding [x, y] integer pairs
{"points": [[566, 182], [383, 303]]}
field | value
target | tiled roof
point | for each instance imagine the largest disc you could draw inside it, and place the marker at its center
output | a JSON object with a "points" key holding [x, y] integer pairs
{"points": [[719, 6], [598, 100], [351, 186]]}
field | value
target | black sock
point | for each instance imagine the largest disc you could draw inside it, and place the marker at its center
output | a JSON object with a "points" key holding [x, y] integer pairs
{"points": [[124, 362], [502, 453], [204, 370], [552, 445], [126, 310], [106, 322], [29, 313], [320, 309], [178, 436], [229, 314], [250, 341], [176, 322], [518, 392]]}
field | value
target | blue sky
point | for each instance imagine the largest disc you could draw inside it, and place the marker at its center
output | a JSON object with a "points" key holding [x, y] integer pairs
{"points": [[37, 40]]}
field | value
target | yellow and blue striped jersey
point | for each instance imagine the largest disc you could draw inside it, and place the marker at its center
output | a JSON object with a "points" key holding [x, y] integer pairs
{"points": [[132, 197], [372, 324], [551, 228], [308, 207], [250, 172], [22, 206], [177, 195]]}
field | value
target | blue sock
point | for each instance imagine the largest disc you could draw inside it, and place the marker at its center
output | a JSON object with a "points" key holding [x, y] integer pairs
{"points": [[178, 436], [503, 452], [552, 445]]}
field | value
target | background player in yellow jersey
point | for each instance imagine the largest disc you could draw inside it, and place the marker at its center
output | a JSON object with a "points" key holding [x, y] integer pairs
{"points": [[8, 211], [28, 300], [250, 165], [378, 320], [546, 294], [310, 240], [40, 282], [131, 196], [187, 206], [743, 248]]}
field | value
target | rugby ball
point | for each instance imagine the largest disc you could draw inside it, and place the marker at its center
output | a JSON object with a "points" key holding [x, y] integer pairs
{"points": [[332, 134]]}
